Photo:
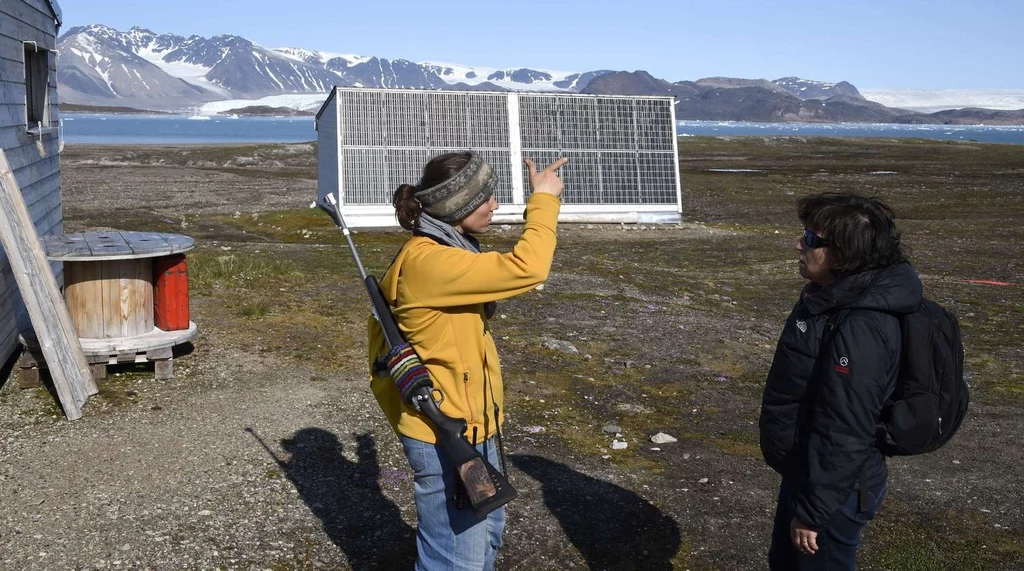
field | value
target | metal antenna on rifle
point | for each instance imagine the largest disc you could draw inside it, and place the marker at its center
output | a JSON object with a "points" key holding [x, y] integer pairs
{"points": [[332, 208], [330, 205]]}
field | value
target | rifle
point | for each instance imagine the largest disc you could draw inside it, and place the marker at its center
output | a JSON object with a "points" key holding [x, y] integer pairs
{"points": [[486, 487]]}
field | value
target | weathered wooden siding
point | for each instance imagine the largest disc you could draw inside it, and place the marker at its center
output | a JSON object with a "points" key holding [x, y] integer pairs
{"points": [[35, 160]]}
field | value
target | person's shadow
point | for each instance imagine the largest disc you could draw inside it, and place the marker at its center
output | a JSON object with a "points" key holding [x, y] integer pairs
{"points": [[347, 498], [612, 527]]}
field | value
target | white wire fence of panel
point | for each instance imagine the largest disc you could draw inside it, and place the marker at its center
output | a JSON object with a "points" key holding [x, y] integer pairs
{"points": [[621, 150]]}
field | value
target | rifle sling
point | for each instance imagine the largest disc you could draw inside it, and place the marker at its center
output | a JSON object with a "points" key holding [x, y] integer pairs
{"points": [[497, 421]]}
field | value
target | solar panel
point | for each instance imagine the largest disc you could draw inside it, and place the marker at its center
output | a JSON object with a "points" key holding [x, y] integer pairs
{"points": [[621, 150]]}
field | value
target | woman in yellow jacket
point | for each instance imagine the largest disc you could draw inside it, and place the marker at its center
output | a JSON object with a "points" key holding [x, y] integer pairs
{"points": [[442, 291]]}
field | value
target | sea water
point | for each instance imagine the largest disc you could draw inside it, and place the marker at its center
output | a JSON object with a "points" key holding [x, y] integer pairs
{"points": [[123, 129], [120, 129]]}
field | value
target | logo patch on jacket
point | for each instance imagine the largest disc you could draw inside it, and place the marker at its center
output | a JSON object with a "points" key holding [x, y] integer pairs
{"points": [[843, 366], [801, 325]]}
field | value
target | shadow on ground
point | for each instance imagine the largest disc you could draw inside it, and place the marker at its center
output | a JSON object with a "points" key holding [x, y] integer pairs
{"points": [[346, 496], [611, 527]]}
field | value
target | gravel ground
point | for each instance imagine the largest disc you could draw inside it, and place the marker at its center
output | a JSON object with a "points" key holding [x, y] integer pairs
{"points": [[267, 451]]}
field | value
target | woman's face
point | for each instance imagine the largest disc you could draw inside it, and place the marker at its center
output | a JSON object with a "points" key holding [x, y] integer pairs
{"points": [[814, 262], [480, 220]]}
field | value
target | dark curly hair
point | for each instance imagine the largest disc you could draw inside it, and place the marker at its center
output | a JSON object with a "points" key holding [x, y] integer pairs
{"points": [[861, 231]]}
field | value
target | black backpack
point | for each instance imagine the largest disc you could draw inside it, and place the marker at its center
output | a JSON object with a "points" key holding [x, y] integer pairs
{"points": [[931, 395]]}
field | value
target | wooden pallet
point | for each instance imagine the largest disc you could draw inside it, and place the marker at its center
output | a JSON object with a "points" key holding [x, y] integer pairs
{"points": [[155, 346], [33, 367]]}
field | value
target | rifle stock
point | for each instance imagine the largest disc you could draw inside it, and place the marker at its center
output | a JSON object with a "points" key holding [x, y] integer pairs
{"points": [[487, 488]]}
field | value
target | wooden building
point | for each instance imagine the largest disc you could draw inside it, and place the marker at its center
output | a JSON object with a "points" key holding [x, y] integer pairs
{"points": [[30, 135]]}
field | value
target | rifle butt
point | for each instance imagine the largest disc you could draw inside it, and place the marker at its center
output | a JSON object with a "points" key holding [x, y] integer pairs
{"points": [[486, 487]]}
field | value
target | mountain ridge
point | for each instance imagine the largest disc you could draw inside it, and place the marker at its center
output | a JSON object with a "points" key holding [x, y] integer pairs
{"points": [[102, 66]]}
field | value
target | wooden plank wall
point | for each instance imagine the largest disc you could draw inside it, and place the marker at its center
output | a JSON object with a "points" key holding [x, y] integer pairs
{"points": [[36, 163]]}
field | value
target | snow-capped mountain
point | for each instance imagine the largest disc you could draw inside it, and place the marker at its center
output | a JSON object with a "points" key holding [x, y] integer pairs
{"points": [[103, 66], [515, 79], [226, 74]]}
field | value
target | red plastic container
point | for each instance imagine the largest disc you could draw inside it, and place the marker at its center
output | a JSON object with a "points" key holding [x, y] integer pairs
{"points": [[170, 292]]}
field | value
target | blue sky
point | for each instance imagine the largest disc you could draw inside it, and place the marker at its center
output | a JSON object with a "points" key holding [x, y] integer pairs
{"points": [[899, 44]]}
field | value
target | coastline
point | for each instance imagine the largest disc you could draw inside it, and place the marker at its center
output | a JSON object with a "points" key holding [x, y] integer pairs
{"points": [[989, 117], [131, 129], [246, 111]]}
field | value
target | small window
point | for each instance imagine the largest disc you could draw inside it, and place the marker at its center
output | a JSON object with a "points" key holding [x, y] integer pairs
{"points": [[37, 89]]}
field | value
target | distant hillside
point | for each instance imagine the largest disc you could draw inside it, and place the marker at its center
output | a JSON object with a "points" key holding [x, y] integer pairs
{"points": [[968, 116], [805, 89], [737, 83], [73, 108], [485, 86], [267, 111], [733, 99]]}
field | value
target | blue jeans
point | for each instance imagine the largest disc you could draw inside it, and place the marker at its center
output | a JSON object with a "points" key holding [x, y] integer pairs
{"points": [[450, 538], [837, 543]]}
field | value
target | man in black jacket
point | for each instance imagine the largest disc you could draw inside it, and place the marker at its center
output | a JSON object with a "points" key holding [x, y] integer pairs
{"points": [[834, 367]]}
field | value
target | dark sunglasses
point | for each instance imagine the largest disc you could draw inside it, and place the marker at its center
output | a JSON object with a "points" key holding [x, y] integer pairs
{"points": [[814, 241]]}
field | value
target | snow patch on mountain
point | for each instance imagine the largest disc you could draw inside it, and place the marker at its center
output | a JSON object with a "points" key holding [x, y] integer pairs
{"points": [[932, 100], [352, 59], [298, 54], [518, 79], [319, 57], [86, 48], [188, 72]]}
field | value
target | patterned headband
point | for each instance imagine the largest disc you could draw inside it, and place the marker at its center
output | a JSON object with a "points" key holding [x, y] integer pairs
{"points": [[457, 197]]}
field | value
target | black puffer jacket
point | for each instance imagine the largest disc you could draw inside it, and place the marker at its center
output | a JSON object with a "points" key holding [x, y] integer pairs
{"points": [[818, 412]]}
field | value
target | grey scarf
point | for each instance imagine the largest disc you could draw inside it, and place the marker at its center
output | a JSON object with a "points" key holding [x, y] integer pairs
{"points": [[445, 233]]}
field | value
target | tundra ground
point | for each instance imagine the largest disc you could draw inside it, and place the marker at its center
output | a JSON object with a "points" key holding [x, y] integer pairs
{"points": [[267, 450]]}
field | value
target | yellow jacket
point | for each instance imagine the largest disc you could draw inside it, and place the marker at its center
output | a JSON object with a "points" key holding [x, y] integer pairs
{"points": [[439, 305]]}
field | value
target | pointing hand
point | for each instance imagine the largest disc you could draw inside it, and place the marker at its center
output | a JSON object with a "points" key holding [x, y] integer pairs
{"points": [[546, 181]]}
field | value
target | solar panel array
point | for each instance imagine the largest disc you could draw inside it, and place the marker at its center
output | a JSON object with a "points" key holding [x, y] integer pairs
{"points": [[621, 150]]}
